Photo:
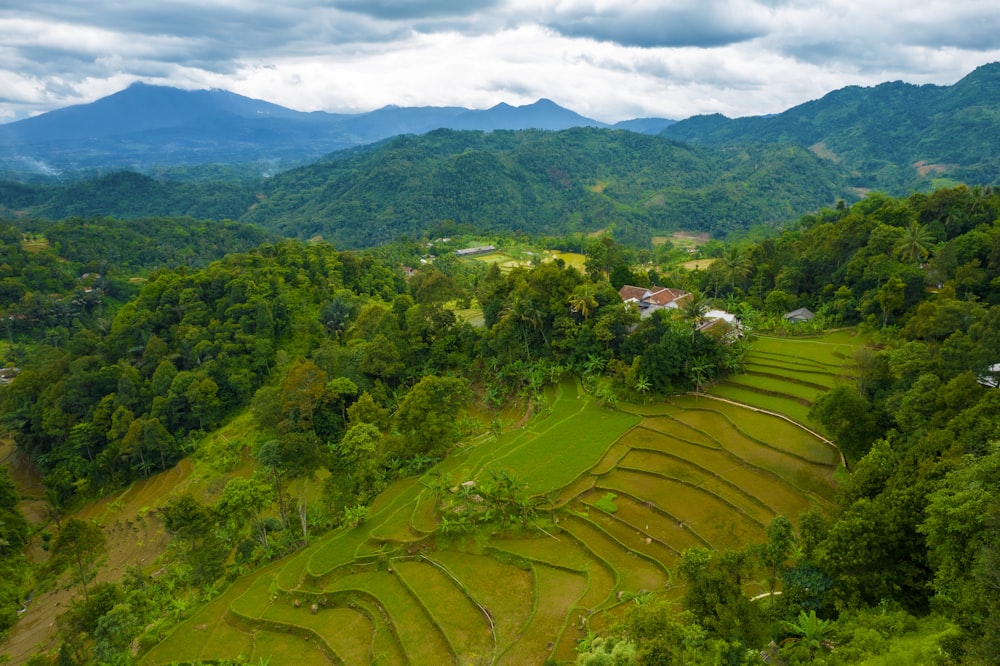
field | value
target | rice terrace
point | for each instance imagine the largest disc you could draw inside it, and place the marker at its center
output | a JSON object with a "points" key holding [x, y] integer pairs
{"points": [[614, 495]]}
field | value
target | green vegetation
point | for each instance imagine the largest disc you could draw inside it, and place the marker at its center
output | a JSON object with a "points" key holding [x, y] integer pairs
{"points": [[872, 132], [446, 183], [322, 443]]}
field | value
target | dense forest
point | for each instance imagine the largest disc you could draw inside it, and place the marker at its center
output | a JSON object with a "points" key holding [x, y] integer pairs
{"points": [[582, 179], [529, 181], [890, 137], [341, 364]]}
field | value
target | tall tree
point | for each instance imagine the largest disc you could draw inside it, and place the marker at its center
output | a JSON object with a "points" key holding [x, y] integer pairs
{"points": [[80, 544]]}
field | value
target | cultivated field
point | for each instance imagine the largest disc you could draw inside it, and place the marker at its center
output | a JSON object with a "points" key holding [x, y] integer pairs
{"points": [[617, 495], [785, 375]]}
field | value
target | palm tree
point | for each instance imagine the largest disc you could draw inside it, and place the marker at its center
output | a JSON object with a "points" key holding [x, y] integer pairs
{"points": [[915, 241], [694, 309], [583, 299], [736, 264]]}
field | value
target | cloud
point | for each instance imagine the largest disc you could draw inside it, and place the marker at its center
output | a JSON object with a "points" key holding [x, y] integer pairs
{"points": [[397, 10], [674, 24], [609, 59]]}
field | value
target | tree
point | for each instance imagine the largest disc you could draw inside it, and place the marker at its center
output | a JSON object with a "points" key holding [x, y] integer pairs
{"points": [[914, 243], [426, 416], [848, 418], [301, 459], [962, 528], [243, 500], [583, 299], [694, 309], [357, 453], [891, 297], [774, 553], [193, 526], [80, 544], [810, 631], [715, 595], [735, 265]]}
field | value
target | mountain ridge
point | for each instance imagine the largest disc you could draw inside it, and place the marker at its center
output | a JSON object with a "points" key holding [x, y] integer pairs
{"points": [[882, 132], [146, 126]]}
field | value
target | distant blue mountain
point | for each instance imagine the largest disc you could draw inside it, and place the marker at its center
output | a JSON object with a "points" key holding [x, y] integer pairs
{"points": [[543, 114], [645, 125], [147, 127]]}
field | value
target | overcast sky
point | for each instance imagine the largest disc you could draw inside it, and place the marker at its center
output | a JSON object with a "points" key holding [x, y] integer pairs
{"points": [[607, 59]]}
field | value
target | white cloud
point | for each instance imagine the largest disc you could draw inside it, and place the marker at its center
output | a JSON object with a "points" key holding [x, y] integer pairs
{"points": [[609, 59]]}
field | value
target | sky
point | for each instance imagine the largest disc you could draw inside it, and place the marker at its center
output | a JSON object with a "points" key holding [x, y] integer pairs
{"points": [[607, 59]]}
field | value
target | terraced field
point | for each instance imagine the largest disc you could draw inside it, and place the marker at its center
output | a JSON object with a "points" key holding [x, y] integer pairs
{"points": [[618, 495], [785, 375]]}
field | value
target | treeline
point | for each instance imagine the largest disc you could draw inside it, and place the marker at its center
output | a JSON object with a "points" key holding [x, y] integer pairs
{"points": [[131, 395], [57, 276], [129, 195]]}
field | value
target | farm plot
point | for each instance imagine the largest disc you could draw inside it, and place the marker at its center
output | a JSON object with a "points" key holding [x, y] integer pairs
{"points": [[785, 375], [618, 496]]}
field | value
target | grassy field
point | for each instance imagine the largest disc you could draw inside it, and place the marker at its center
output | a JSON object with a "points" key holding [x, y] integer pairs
{"points": [[620, 493], [785, 375]]}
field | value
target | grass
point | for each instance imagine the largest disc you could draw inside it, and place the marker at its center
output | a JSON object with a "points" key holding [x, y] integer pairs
{"points": [[556, 592], [418, 634], [718, 522], [635, 572], [664, 465], [509, 604], [464, 624]]}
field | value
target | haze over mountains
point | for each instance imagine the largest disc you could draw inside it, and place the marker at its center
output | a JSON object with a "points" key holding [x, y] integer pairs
{"points": [[369, 178], [146, 126], [893, 136]]}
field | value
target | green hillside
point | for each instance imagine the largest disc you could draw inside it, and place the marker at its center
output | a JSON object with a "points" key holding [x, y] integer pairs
{"points": [[415, 583], [895, 136], [543, 182], [532, 182]]}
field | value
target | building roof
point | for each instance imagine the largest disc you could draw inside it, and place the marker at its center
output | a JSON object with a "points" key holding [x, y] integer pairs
{"points": [[802, 314], [630, 293], [651, 296]]}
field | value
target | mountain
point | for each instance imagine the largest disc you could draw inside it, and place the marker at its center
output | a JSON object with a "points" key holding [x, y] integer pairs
{"points": [[644, 125], [580, 179], [146, 128], [543, 114], [894, 136]]}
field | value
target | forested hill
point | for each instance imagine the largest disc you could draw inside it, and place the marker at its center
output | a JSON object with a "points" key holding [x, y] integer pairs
{"points": [[579, 179], [894, 136], [129, 195]]}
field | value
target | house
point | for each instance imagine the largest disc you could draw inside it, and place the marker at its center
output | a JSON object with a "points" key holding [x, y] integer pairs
{"points": [[721, 322], [797, 316], [990, 378], [472, 251], [652, 298]]}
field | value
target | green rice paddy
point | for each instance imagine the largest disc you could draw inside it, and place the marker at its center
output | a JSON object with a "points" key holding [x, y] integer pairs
{"points": [[691, 471]]}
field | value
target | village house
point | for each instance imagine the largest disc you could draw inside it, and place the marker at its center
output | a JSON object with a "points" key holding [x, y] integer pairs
{"points": [[651, 299], [798, 316]]}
